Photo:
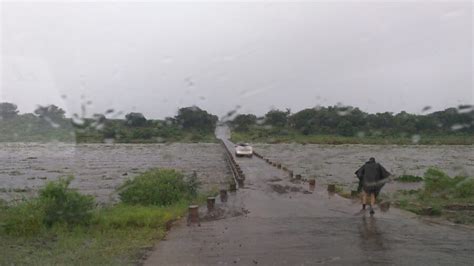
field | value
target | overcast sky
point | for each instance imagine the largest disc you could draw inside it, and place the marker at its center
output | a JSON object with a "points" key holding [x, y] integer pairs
{"points": [[156, 57]]}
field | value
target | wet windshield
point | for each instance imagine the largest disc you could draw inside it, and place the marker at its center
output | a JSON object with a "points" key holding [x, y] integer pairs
{"points": [[236, 132]]}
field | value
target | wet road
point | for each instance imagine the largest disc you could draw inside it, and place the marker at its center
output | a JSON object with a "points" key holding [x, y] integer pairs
{"points": [[273, 221]]}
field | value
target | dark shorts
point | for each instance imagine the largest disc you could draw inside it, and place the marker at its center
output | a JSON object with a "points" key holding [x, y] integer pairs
{"points": [[371, 190]]}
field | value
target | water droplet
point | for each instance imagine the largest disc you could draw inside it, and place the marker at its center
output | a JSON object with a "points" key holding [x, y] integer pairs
{"points": [[462, 109], [77, 120], [415, 139], [51, 122], [268, 127], [261, 120], [457, 127], [160, 139], [426, 108], [109, 141]]}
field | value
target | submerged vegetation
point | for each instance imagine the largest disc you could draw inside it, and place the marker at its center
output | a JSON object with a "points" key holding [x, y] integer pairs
{"points": [[63, 226], [348, 125], [442, 195], [409, 178]]}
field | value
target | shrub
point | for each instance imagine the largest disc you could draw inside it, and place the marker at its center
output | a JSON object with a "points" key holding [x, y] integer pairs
{"points": [[160, 187], [64, 205], [465, 188], [57, 203], [437, 182]]}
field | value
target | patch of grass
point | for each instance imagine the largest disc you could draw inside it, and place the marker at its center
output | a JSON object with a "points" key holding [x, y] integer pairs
{"points": [[118, 235], [114, 235], [128, 216], [440, 191], [409, 178]]}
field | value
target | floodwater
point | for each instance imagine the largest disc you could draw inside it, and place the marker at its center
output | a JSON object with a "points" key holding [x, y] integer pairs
{"points": [[337, 163], [283, 222], [100, 168]]}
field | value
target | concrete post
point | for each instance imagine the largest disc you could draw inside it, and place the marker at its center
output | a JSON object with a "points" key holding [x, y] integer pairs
{"points": [[223, 195], [193, 216], [211, 201]]}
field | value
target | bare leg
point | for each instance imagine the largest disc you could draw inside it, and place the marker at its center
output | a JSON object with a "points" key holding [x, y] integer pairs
{"points": [[372, 203], [372, 199], [364, 200]]}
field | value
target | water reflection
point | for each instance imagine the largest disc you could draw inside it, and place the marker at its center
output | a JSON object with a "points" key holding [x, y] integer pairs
{"points": [[371, 236], [373, 242]]}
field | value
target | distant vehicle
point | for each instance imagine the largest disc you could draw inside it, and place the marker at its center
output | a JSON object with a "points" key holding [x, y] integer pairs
{"points": [[243, 149]]}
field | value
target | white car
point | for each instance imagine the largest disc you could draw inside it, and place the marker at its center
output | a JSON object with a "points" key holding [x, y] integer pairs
{"points": [[243, 149]]}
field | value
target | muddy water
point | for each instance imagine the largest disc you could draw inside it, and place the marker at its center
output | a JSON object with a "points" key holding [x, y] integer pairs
{"points": [[284, 222], [337, 163], [99, 168]]}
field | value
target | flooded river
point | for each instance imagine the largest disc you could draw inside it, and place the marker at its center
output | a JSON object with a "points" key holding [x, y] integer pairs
{"points": [[337, 163], [99, 168]]}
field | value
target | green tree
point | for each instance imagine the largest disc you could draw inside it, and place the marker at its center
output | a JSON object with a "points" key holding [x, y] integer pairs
{"points": [[277, 118], [244, 122], [306, 121], [50, 112], [8, 110], [194, 118], [345, 128], [135, 119]]}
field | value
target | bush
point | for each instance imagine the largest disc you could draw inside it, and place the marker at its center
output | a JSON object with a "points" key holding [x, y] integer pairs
{"points": [[465, 188], [64, 205], [437, 181], [160, 187], [56, 204]]}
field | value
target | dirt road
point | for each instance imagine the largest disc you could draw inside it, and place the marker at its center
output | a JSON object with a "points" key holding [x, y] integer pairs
{"points": [[273, 221]]}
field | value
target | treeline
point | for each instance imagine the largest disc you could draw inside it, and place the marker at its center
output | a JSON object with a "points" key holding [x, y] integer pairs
{"points": [[349, 122], [191, 124], [48, 123]]}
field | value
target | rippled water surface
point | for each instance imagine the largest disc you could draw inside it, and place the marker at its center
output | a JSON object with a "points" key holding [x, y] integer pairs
{"points": [[99, 168]]}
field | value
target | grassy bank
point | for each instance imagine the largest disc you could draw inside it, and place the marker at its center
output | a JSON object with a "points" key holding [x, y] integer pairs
{"points": [[449, 197], [118, 236], [262, 136], [62, 226]]}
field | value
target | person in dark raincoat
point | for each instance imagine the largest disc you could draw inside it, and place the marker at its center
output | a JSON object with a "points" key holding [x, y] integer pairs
{"points": [[372, 177]]}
